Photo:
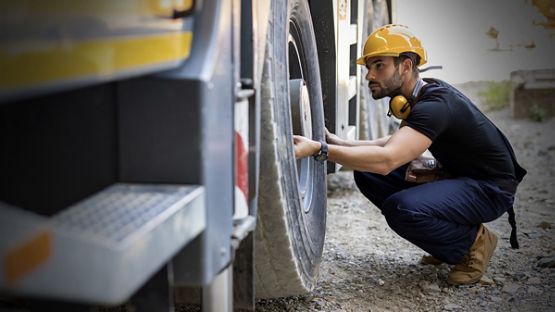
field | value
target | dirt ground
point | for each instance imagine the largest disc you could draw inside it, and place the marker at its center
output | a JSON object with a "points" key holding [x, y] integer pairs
{"points": [[368, 267]]}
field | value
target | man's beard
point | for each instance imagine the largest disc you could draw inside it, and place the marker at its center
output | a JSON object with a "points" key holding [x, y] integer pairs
{"points": [[391, 87]]}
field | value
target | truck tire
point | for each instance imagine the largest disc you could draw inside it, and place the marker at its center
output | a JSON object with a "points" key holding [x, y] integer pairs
{"points": [[374, 121], [292, 197]]}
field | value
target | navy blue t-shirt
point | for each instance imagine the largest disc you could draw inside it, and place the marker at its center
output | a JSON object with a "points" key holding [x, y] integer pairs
{"points": [[464, 140]]}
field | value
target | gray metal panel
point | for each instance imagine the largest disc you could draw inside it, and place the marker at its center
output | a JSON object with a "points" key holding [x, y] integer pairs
{"points": [[58, 149], [247, 40], [251, 58], [324, 30], [159, 131], [211, 64]]}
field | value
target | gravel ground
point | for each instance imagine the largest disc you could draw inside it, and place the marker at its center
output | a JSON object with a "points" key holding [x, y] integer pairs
{"points": [[368, 267]]}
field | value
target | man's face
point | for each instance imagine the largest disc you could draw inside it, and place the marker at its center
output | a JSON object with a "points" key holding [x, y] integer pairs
{"points": [[383, 76]]}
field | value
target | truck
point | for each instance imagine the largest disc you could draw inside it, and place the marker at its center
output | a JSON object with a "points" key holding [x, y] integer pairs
{"points": [[146, 151]]}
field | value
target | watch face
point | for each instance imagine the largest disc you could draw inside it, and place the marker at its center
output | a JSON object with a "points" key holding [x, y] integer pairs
{"points": [[321, 157]]}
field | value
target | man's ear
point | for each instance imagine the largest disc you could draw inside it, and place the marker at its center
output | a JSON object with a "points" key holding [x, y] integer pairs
{"points": [[407, 66]]}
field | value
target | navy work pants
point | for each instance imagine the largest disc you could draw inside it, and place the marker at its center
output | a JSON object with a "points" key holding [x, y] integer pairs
{"points": [[441, 217]]}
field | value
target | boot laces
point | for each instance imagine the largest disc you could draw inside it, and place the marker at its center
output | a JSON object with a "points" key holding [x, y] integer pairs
{"points": [[468, 260]]}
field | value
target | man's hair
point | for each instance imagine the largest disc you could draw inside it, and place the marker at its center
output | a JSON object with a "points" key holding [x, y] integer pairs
{"points": [[413, 57]]}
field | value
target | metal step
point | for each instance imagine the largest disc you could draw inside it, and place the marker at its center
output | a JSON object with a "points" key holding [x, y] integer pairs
{"points": [[102, 249]]}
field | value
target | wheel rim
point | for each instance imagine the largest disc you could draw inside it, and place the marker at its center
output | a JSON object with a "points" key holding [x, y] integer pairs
{"points": [[301, 116]]}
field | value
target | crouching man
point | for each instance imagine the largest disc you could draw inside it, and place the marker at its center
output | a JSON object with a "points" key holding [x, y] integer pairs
{"points": [[444, 217]]}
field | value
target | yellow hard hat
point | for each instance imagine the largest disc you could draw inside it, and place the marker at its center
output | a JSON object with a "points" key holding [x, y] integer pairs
{"points": [[392, 40]]}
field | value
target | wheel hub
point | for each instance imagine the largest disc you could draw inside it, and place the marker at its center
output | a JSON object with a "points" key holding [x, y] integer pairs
{"points": [[300, 108], [301, 119]]}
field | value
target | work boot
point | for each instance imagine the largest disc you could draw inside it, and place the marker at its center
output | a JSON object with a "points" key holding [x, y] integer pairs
{"points": [[475, 262], [430, 260]]}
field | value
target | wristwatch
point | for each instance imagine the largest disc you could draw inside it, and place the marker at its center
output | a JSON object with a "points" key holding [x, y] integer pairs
{"points": [[322, 155]]}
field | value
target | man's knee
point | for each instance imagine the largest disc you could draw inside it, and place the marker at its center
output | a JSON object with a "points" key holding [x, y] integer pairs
{"points": [[398, 210], [358, 177], [366, 179]]}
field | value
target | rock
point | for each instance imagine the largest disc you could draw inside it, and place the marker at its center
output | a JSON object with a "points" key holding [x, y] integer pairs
{"points": [[533, 281], [532, 290], [381, 282], [500, 280], [547, 262], [451, 307], [511, 288], [519, 276], [430, 288], [485, 280], [496, 299], [319, 304], [534, 235], [396, 290], [544, 225]]}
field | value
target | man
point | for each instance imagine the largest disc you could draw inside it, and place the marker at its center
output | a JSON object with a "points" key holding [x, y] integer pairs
{"points": [[443, 217]]}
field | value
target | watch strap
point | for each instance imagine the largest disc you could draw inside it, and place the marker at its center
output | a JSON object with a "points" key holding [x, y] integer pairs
{"points": [[322, 155]]}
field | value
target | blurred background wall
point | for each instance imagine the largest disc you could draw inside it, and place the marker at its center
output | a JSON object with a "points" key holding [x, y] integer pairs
{"points": [[480, 39]]}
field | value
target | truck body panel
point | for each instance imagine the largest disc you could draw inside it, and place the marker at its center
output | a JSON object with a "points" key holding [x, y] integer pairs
{"points": [[106, 103]]}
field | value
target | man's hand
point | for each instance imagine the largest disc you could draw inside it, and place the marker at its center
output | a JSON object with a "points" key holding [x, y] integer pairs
{"points": [[305, 147], [334, 139]]}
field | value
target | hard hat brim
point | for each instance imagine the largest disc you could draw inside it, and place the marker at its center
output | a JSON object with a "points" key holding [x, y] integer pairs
{"points": [[362, 60]]}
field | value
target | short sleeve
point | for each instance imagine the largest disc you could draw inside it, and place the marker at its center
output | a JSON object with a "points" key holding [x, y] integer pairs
{"points": [[430, 118]]}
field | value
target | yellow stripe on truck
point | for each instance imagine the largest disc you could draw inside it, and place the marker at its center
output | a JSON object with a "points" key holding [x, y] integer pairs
{"points": [[34, 8], [27, 257], [50, 62]]}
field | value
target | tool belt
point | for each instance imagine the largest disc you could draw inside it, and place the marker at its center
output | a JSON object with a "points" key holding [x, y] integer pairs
{"points": [[423, 170]]}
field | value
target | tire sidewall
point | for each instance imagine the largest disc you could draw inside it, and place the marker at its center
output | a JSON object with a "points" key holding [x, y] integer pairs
{"points": [[306, 230]]}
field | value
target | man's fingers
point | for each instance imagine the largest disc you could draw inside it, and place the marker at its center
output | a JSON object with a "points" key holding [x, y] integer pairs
{"points": [[297, 141], [302, 146], [328, 134], [332, 138]]}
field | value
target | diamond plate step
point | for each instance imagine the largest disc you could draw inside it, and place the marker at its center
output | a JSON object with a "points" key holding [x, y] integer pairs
{"points": [[121, 210], [104, 247]]}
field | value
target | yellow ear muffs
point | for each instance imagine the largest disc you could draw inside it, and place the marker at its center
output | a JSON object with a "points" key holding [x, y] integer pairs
{"points": [[399, 106]]}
